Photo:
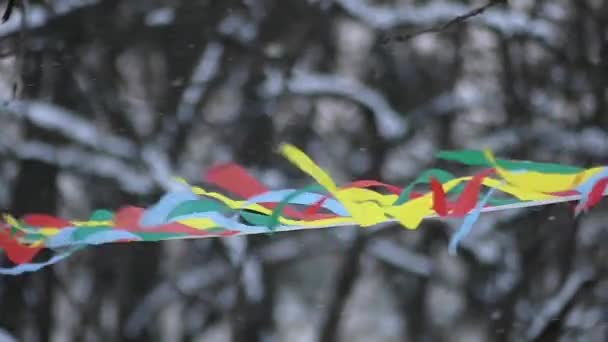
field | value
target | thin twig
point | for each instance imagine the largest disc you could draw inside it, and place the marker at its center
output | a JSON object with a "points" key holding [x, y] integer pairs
{"points": [[402, 37]]}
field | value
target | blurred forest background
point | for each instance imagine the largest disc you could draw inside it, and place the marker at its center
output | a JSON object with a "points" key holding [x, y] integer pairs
{"points": [[101, 101]]}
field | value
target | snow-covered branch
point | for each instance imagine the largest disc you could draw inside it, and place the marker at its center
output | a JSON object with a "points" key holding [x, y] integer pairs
{"points": [[506, 21], [131, 180], [390, 123], [159, 167], [70, 125], [85, 133], [400, 257], [206, 69]]}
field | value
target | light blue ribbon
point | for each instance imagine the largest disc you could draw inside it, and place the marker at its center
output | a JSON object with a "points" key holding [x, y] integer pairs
{"points": [[467, 224], [32, 267]]}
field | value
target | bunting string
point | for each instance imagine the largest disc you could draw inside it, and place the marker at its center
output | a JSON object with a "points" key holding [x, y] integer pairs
{"points": [[249, 207]]}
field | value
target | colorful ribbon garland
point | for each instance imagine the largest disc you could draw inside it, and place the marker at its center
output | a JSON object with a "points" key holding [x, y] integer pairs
{"points": [[197, 213]]}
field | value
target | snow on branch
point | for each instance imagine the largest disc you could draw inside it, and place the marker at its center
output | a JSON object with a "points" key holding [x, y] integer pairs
{"points": [[84, 133], [400, 257], [391, 124], [506, 21], [131, 180], [70, 125], [455, 20], [159, 167], [206, 69]]}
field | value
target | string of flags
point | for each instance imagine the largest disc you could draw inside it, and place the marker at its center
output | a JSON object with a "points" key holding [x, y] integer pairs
{"points": [[245, 206]]}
